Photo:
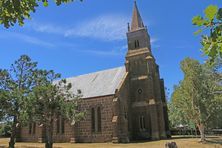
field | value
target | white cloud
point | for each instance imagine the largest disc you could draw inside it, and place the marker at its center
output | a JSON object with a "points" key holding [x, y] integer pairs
{"points": [[106, 28], [25, 38], [117, 51], [103, 52], [46, 28]]}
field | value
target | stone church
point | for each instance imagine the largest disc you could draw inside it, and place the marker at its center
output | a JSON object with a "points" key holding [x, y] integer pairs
{"points": [[123, 104]]}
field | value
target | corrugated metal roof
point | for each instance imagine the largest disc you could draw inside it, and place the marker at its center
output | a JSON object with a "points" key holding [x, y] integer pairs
{"points": [[96, 84]]}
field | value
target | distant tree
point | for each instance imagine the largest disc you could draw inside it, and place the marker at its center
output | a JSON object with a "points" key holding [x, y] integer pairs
{"points": [[196, 99], [53, 99], [13, 11], [15, 86], [176, 114], [211, 26]]}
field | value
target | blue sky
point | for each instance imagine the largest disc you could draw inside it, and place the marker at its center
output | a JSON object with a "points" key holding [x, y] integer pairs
{"points": [[83, 37]]}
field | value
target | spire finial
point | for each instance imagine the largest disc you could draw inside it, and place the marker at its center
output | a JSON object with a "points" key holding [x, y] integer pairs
{"points": [[137, 21], [128, 26]]}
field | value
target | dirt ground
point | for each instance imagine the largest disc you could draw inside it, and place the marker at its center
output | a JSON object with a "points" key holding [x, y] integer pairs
{"points": [[182, 142]]}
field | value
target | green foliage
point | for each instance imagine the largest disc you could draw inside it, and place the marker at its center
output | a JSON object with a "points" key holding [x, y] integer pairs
{"points": [[53, 99], [5, 129], [211, 12], [13, 11], [177, 115], [211, 22], [195, 100], [28, 94], [15, 85]]}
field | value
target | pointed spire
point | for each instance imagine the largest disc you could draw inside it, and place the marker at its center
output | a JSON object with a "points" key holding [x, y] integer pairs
{"points": [[137, 21]]}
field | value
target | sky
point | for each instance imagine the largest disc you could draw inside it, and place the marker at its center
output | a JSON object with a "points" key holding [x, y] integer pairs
{"points": [[84, 37]]}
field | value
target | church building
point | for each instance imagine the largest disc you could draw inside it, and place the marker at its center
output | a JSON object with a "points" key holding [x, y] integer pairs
{"points": [[122, 104]]}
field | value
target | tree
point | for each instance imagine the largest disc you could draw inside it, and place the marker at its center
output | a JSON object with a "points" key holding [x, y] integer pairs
{"points": [[13, 11], [15, 86], [176, 114], [52, 100], [195, 100], [212, 23]]}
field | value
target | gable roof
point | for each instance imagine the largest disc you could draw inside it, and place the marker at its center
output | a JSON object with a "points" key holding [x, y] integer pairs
{"points": [[99, 83]]}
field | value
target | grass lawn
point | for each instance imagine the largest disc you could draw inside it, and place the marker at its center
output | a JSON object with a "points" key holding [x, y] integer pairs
{"points": [[182, 142]]}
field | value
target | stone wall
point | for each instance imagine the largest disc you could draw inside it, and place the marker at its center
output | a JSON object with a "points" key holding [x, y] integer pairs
{"points": [[82, 131], [30, 137], [123, 111]]}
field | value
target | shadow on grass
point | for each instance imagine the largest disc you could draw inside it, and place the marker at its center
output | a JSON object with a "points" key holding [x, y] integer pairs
{"points": [[214, 141], [172, 138], [210, 139], [28, 147]]}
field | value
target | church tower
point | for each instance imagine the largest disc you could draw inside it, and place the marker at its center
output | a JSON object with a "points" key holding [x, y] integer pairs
{"points": [[147, 119]]}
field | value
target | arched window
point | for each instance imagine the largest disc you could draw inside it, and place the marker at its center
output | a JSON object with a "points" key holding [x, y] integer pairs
{"points": [[142, 123], [93, 119], [32, 127], [96, 119], [63, 126], [135, 44], [60, 125], [99, 119], [138, 43]]}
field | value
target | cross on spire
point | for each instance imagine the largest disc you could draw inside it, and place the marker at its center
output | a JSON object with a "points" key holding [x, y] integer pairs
{"points": [[137, 21]]}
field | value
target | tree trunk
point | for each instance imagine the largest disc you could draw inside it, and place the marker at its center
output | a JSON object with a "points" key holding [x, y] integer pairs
{"points": [[202, 132], [13, 134], [49, 134]]}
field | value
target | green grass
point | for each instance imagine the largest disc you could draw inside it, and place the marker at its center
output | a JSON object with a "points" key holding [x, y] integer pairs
{"points": [[182, 142]]}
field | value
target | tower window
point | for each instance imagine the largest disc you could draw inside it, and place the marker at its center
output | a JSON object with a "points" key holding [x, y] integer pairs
{"points": [[142, 123], [125, 113], [137, 44]]}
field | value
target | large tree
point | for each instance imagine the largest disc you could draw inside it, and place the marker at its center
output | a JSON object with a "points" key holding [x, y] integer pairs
{"points": [[196, 99], [15, 86], [53, 101], [13, 11], [28, 94], [211, 26]]}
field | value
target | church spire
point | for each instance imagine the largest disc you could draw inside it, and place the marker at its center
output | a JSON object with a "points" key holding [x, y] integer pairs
{"points": [[137, 21]]}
